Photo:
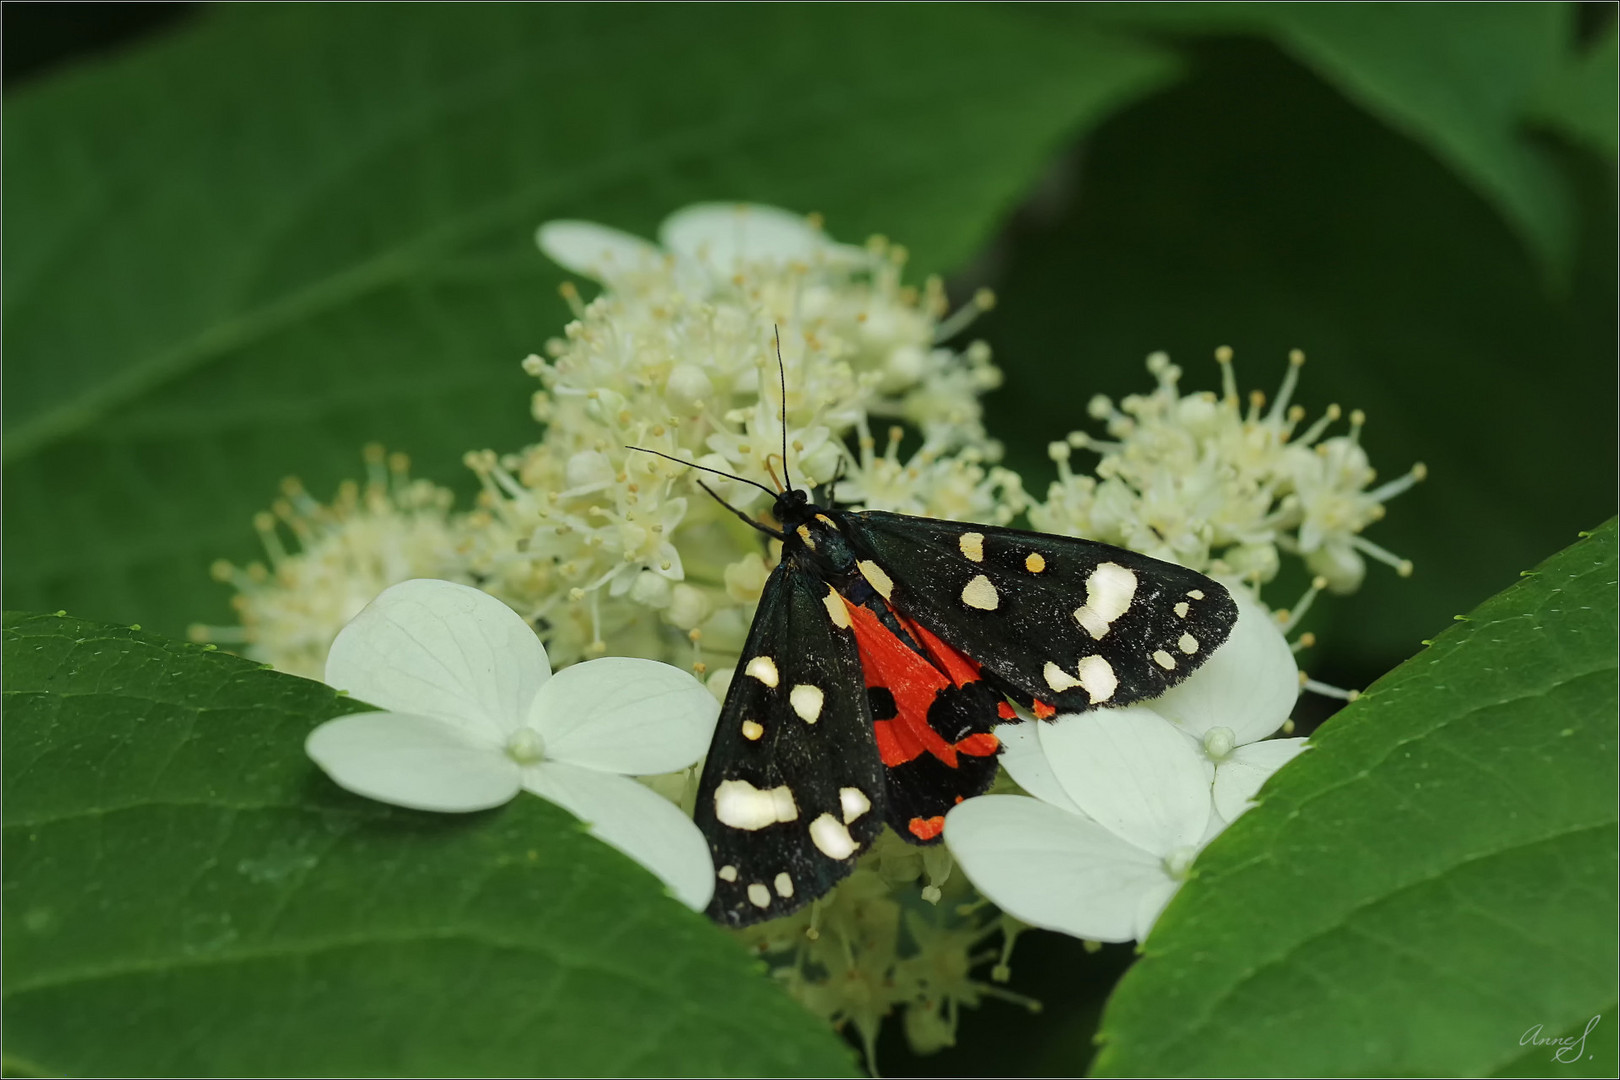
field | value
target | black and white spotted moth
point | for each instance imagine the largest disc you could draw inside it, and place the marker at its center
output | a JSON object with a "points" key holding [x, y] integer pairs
{"points": [[884, 651]]}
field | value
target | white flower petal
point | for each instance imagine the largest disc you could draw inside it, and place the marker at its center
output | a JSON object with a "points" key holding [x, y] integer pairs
{"points": [[1152, 904], [720, 234], [636, 820], [1239, 777], [624, 715], [597, 251], [1132, 772], [416, 761], [1054, 869], [1025, 762], [1249, 684], [434, 648]]}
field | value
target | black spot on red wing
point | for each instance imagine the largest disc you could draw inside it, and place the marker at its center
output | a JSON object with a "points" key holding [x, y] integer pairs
{"points": [[960, 711], [925, 788], [882, 701]]}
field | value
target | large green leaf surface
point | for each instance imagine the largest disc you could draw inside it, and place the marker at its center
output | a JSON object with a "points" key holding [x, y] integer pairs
{"points": [[1461, 79], [1253, 206], [1579, 100], [289, 230], [186, 895], [1435, 877]]}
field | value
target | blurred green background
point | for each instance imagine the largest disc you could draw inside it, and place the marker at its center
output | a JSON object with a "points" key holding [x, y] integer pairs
{"points": [[241, 243]]}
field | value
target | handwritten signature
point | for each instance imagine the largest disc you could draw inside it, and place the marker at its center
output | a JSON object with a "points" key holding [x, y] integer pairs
{"points": [[1567, 1049]]}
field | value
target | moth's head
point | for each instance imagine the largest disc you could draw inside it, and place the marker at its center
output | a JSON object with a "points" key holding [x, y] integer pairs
{"points": [[791, 507]]}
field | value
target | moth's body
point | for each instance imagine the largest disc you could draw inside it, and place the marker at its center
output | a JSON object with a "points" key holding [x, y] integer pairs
{"points": [[881, 657]]}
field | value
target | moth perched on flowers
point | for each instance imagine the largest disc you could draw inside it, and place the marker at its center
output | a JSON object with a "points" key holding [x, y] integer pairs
{"points": [[882, 654]]}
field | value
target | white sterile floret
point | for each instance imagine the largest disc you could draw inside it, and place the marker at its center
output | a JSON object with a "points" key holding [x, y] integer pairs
{"points": [[706, 241], [1242, 695], [474, 715], [1130, 810], [1124, 799]]}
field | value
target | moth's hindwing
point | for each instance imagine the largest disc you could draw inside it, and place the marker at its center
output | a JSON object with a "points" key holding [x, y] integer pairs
{"points": [[792, 792], [1068, 622], [932, 716]]}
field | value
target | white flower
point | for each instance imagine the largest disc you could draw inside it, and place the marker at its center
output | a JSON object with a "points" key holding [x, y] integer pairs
{"points": [[1124, 807], [1242, 694], [475, 716], [1126, 798], [707, 242]]}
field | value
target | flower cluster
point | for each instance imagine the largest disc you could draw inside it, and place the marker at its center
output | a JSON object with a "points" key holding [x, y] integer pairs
{"points": [[600, 538], [1200, 480], [343, 553], [904, 934], [1124, 799], [676, 364]]}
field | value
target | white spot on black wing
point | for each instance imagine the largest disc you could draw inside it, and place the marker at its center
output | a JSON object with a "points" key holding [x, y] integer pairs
{"points": [[741, 805], [806, 701], [836, 611], [971, 544], [831, 837], [875, 577], [1058, 679], [1109, 591], [759, 895], [1097, 678], [762, 668], [979, 593]]}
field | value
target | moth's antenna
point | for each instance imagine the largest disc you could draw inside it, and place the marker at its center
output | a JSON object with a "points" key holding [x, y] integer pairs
{"points": [[781, 373], [691, 465], [766, 529], [705, 468]]}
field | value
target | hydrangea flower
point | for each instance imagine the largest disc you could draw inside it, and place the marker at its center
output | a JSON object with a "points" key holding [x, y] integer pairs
{"points": [[678, 355], [340, 555], [1204, 481], [705, 243], [1233, 704], [1124, 799], [607, 550], [475, 715]]}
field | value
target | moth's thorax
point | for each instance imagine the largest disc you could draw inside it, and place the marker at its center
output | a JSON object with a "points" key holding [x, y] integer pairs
{"points": [[812, 538]]}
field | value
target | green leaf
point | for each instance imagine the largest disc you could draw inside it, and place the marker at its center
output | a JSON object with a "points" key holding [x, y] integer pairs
{"points": [[1579, 101], [186, 895], [291, 230], [1458, 78], [1588, 1048], [1429, 881], [1412, 300]]}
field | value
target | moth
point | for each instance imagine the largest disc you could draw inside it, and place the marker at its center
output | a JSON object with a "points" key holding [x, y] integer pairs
{"points": [[885, 650]]}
